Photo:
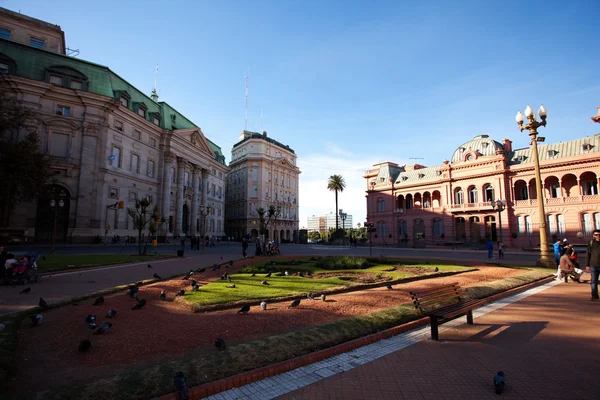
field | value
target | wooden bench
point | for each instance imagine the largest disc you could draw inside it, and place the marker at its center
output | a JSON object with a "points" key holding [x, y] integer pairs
{"points": [[427, 302]]}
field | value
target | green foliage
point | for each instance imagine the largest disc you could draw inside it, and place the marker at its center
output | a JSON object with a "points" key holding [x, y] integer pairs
{"points": [[314, 235], [24, 170], [342, 262], [336, 184]]}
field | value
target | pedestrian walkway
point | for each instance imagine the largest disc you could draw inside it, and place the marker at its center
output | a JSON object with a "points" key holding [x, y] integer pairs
{"points": [[545, 340]]}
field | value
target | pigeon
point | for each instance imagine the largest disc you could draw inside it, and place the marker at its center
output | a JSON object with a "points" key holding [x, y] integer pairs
{"points": [[436, 269], [103, 328], [90, 318], [195, 288], [231, 263], [301, 274], [181, 385], [194, 283], [230, 286], [294, 304], [308, 273], [263, 305], [228, 278], [253, 275], [499, 382], [273, 263], [85, 345], [227, 265], [268, 275], [265, 282], [156, 276], [149, 266], [293, 262], [388, 285], [26, 290], [111, 313], [245, 308], [217, 266], [92, 325], [36, 319], [220, 344], [287, 273], [163, 295], [310, 296], [133, 291], [138, 306], [139, 283], [43, 303], [214, 268], [99, 301], [186, 277], [180, 293], [221, 258], [323, 297], [225, 274], [199, 270]]}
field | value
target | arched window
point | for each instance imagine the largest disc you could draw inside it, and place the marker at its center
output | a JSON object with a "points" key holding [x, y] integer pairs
{"points": [[380, 205], [528, 227], [381, 229], [552, 224], [459, 196], [437, 227], [402, 228], [472, 194], [409, 201], [521, 224], [590, 222], [560, 224], [488, 193]]}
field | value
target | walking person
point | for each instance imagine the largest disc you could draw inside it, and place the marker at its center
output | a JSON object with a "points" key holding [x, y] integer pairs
{"points": [[244, 246], [490, 248], [500, 250], [592, 262]]}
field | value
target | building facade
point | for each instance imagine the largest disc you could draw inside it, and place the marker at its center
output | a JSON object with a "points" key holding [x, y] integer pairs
{"points": [[263, 172], [451, 202], [323, 223], [107, 142]]}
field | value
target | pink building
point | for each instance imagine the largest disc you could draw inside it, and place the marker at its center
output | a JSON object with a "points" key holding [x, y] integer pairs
{"points": [[418, 206]]}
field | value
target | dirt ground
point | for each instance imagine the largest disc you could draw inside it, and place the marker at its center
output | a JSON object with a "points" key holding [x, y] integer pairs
{"points": [[167, 329]]}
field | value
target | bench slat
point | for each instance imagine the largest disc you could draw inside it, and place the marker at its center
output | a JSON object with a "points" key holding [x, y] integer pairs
{"points": [[434, 290], [440, 293], [441, 296], [455, 308]]}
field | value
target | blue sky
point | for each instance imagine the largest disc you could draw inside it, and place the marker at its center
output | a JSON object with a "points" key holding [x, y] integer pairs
{"points": [[348, 84]]}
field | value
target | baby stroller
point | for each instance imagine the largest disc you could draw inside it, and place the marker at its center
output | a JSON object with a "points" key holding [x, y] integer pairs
{"points": [[23, 270]]}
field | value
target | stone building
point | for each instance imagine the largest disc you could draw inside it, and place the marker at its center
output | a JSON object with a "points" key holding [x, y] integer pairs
{"points": [[322, 223], [263, 172], [451, 202], [108, 142]]}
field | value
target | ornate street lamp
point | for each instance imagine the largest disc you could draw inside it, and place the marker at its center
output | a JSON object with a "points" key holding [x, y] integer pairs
{"points": [[499, 206], [55, 210], [398, 213], [532, 126], [204, 211], [343, 217]]}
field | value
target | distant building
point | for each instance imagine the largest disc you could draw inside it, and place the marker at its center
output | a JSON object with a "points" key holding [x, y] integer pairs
{"points": [[263, 173], [107, 142], [325, 222], [451, 202]]}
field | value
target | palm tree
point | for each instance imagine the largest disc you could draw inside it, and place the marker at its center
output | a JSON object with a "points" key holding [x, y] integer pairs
{"points": [[336, 184]]}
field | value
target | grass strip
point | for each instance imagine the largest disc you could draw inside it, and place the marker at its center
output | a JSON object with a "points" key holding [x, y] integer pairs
{"points": [[147, 382], [69, 262]]}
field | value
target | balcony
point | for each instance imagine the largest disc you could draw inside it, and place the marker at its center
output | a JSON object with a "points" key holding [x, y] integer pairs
{"points": [[466, 207], [60, 160], [594, 198]]}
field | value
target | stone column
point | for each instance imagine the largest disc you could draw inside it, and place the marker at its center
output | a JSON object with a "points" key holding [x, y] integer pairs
{"points": [[166, 186], [195, 196], [204, 173], [90, 194], [179, 199]]}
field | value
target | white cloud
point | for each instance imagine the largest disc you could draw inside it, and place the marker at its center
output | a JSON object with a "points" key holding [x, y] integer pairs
{"points": [[316, 199]]}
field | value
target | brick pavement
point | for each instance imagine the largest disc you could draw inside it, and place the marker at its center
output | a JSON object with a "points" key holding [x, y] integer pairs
{"points": [[544, 339]]}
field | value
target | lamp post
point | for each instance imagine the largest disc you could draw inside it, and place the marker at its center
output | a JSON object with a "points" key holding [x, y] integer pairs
{"points": [[55, 210], [398, 213], [204, 211], [532, 126], [343, 216], [499, 206]]}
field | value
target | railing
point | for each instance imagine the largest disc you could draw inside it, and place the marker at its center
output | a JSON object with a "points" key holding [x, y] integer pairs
{"points": [[594, 198], [470, 206], [60, 160]]}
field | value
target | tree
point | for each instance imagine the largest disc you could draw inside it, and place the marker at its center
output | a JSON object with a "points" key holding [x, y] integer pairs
{"points": [[264, 219], [314, 236], [336, 184], [24, 169], [142, 219]]}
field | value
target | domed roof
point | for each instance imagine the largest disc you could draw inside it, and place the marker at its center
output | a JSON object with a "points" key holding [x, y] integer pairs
{"points": [[482, 144]]}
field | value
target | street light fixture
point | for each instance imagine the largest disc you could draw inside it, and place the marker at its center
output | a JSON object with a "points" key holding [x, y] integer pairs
{"points": [[532, 126], [398, 213], [55, 210], [499, 206], [343, 217], [204, 211]]}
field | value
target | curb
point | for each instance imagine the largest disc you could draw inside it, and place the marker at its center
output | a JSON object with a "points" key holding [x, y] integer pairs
{"points": [[211, 388]]}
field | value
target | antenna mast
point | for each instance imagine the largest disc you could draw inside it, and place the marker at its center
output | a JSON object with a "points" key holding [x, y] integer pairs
{"points": [[154, 94], [246, 117]]}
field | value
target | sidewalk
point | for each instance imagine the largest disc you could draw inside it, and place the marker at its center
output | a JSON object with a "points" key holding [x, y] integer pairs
{"points": [[545, 340]]}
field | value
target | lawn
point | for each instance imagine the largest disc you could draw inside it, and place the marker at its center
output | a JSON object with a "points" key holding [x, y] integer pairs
{"points": [[67, 262], [248, 287]]}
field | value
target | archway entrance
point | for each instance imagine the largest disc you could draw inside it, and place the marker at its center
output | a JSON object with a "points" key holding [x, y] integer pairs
{"points": [[45, 214]]}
